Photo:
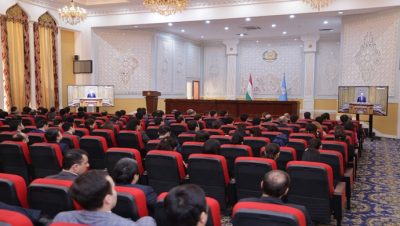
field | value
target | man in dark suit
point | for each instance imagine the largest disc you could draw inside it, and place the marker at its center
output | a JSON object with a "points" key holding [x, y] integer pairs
{"points": [[53, 135], [193, 127], [91, 94], [75, 163], [361, 98], [275, 185], [41, 126]]}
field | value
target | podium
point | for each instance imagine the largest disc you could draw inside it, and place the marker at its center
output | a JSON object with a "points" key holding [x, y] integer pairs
{"points": [[361, 108], [151, 100], [91, 102]]}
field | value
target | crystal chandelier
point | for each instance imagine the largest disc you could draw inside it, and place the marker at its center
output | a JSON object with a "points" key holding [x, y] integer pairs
{"points": [[72, 15], [166, 7], [318, 4]]}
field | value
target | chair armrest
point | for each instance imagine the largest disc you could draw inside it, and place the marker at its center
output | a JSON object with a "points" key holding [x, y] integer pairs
{"points": [[340, 189], [339, 201]]}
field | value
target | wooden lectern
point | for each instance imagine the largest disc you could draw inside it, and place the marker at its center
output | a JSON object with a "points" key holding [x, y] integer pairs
{"points": [[151, 100]]}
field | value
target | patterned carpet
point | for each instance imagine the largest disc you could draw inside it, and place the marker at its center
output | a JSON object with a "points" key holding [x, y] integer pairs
{"points": [[376, 192]]}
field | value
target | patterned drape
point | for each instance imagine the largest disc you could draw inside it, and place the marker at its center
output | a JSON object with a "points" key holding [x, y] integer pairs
{"points": [[15, 15], [47, 94]]}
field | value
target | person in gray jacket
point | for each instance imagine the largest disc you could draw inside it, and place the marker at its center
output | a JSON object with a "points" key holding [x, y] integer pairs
{"points": [[75, 163]]}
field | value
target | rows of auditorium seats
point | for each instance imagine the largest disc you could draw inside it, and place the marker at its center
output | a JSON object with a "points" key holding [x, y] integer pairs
{"points": [[324, 188]]}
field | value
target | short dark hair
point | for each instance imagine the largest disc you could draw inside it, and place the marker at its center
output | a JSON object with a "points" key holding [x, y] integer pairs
{"points": [[167, 143], [344, 118], [90, 189], [132, 124], [237, 138], [192, 124], [307, 115], [164, 130], [349, 126], [212, 113], [66, 126], [202, 136], [271, 150], [212, 146], [244, 117], [256, 132], [340, 133], [184, 205], [319, 119], [223, 113], [275, 183], [314, 143], [124, 171], [157, 121], [40, 123], [180, 119], [216, 124], [229, 120], [14, 123], [311, 128], [26, 110], [51, 134], [73, 156], [256, 121], [294, 118]]}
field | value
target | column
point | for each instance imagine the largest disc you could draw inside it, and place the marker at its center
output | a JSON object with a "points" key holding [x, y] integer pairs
{"points": [[310, 49], [32, 65], [231, 68], [1, 80], [59, 69]]}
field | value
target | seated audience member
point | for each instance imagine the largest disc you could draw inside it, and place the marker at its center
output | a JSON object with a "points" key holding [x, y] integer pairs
{"points": [[16, 125], [272, 151], [344, 119], [241, 129], [20, 137], [202, 136], [14, 110], [222, 116], [311, 153], [41, 126], [53, 135], [255, 132], [339, 133], [108, 125], [283, 121], [26, 110], [75, 163], [287, 115], [95, 192], [52, 114], [326, 116], [163, 132], [237, 138], [275, 185], [191, 112], [212, 146], [158, 121], [213, 114], [68, 128], [256, 121], [318, 123], [216, 124], [126, 173], [167, 144], [134, 124], [180, 119], [311, 128], [349, 125], [228, 120], [266, 117], [307, 115], [90, 124], [294, 118], [193, 127], [244, 117], [185, 205]]}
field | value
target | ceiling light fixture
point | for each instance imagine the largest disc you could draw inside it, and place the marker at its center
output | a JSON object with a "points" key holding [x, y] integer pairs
{"points": [[248, 19], [226, 28], [284, 33], [273, 25], [207, 21], [183, 30], [318, 4], [292, 16], [170, 24], [340, 13], [72, 15], [326, 22], [166, 7]]}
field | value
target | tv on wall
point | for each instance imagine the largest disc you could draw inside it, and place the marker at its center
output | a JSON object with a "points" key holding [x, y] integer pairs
{"points": [[91, 96], [363, 100]]}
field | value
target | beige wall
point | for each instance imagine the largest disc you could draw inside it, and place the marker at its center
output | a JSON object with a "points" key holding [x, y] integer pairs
{"points": [[131, 104], [67, 56]]}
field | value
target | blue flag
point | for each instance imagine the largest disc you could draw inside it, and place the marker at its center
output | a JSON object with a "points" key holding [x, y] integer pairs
{"points": [[283, 93]]}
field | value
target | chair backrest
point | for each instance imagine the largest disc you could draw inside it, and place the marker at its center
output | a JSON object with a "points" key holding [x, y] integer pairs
{"points": [[13, 190], [50, 196], [270, 134], [71, 140], [82, 132], [12, 218], [7, 135], [107, 134], [209, 122], [223, 139], [165, 170], [151, 145], [249, 172], [191, 147], [28, 129], [232, 151], [184, 137], [152, 132], [256, 143], [227, 128], [36, 138], [178, 128], [46, 159], [286, 130], [15, 159], [96, 147], [131, 203], [335, 160], [5, 128], [286, 155], [339, 146], [304, 136], [28, 121], [130, 139], [115, 154], [214, 131], [299, 145], [258, 213], [201, 166]]}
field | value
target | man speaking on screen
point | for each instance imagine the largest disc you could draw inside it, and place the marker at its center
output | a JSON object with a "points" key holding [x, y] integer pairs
{"points": [[91, 94], [361, 98]]}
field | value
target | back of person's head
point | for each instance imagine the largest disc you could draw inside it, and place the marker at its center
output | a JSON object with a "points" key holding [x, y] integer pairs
{"points": [[241, 127], [212, 146], [41, 123], [14, 123], [223, 113], [319, 119], [14, 109], [89, 123], [190, 112], [311, 128], [180, 119], [91, 188], [229, 120], [132, 124], [314, 143], [275, 183], [272, 151], [185, 205], [283, 120], [256, 121], [177, 114], [202, 136], [192, 124], [167, 143], [237, 138], [123, 112], [74, 156], [125, 170], [216, 124], [307, 115], [52, 135], [108, 125], [139, 115], [118, 114], [26, 110], [157, 121], [66, 126], [197, 117], [256, 132], [20, 137], [213, 113], [163, 130], [349, 125], [294, 118], [326, 116], [244, 117], [344, 118], [339, 133]]}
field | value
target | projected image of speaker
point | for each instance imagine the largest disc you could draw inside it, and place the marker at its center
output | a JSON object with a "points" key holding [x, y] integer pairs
{"points": [[91, 96]]}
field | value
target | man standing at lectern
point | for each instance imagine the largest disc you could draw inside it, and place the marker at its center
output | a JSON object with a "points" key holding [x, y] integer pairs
{"points": [[361, 98], [91, 94]]}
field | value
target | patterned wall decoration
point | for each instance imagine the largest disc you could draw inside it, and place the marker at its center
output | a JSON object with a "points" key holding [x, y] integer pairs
{"points": [[327, 69], [370, 49], [267, 76], [214, 80], [123, 59]]}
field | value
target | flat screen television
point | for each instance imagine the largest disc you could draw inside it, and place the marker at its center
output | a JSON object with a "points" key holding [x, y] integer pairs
{"points": [[363, 100], [91, 96], [83, 67]]}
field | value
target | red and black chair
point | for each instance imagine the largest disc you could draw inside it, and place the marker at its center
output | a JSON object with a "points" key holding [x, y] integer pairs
{"points": [[131, 203], [46, 159], [96, 147], [13, 190], [286, 130], [270, 134], [311, 185], [339, 146], [165, 170], [151, 145], [201, 166], [256, 143], [305, 136], [36, 138], [184, 137], [152, 132], [7, 135], [295, 127], [12, 218], [191, 147], [5, 128], [82, 132], [209, 122], [232, 151], [107, 134], [130, 139], [15, 159], [28, 121], [257, 213], [249, 172], [113, 155], [71, 140], [50, 196], [28, 129], [178, 128], [227, 128], [223, 139], [299, 145], [214, 131]]}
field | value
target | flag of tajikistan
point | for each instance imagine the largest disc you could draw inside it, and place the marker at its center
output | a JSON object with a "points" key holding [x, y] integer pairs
{"points": [[249, 91]]}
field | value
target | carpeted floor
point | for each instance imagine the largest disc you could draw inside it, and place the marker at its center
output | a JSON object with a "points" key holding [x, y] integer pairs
{"points": [[376, 192]]}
